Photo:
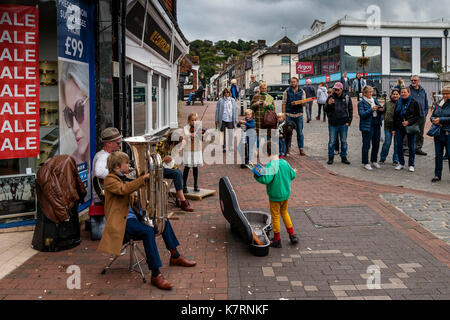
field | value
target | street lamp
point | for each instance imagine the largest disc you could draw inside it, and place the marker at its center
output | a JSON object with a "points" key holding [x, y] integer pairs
{"points": [[446, 62], [364, 45]]}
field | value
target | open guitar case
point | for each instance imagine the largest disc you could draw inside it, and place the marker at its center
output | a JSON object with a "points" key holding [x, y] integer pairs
{"points": [[253, 227]]}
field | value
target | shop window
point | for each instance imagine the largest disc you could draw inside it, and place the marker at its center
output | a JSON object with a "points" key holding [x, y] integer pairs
{"points": [[155, 101], [401, 55], [140, 92], [430, 55], [353, 52], [164, 102]]}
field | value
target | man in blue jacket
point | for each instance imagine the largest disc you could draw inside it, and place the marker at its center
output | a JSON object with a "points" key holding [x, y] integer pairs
{"points": [[419, 94]]}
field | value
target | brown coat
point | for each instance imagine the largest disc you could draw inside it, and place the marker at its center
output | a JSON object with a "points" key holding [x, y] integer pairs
{"points": [[59, 187], [117, 203]]}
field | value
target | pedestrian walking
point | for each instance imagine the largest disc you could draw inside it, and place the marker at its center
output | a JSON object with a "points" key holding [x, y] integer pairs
{"points": [[310, 93], [294, 112], [370, 114], [234, 89], [406, 123], [441, 118], [389, 128], [252, 86], [358, 84], [339, 109], [419, 94], [226, 117], [322, 96], [260, 104], [345, 82]]}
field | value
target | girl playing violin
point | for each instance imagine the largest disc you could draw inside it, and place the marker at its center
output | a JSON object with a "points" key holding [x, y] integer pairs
{"points": [[192, 151]]}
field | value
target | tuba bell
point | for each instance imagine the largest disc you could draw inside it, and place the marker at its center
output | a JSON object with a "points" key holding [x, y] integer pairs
{"points": [[152, 198]]}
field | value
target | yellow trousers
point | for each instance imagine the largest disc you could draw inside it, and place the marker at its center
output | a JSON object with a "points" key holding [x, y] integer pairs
{"points": [[275, 209]]}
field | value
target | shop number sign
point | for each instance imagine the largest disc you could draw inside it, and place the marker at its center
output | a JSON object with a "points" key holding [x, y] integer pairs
{"points": [[19, 82]]}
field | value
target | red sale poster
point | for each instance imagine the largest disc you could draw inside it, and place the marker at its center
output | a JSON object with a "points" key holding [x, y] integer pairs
{"points": [[19, 82]]}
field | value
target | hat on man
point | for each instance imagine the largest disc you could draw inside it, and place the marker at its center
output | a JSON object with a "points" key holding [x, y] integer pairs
{"points": [[338, 85], [110, 134]]}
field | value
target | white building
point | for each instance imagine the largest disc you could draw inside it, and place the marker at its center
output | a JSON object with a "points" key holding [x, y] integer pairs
{"points": [[395, 49], [154, 46]]}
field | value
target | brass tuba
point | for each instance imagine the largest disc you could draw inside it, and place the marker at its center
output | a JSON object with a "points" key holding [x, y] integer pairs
{"points": [[153, 196]]}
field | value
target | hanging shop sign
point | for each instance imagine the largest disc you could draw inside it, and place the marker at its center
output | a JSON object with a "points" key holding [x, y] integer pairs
{"points": [[19, 82], [156, 38], [76, 64], [305, 67]]}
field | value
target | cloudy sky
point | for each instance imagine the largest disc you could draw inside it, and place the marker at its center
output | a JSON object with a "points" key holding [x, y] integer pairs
{"points": [[263, 19]]}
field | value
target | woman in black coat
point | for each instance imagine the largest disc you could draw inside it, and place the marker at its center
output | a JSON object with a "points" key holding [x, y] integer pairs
{"points": [[406, 116]]}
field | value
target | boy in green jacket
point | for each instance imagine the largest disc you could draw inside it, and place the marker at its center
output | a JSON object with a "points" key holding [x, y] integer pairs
{"points": [[277, 177]]}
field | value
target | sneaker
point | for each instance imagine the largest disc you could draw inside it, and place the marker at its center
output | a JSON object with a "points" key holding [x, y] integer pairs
{"points": [[293, 239], [376, 165], [276, 244], [411, 169], [368, 167], [399, 167]]}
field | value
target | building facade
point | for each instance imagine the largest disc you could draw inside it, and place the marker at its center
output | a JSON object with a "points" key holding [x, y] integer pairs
{"points": [[394, 49], [89, 65]]}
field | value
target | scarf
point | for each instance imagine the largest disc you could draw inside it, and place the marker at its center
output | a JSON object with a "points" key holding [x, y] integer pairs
{"points": [[403, 105], [229, 106], [372, 103]]}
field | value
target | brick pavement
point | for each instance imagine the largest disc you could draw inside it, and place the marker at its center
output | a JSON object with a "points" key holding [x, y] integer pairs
{"points": [[330, 262]]}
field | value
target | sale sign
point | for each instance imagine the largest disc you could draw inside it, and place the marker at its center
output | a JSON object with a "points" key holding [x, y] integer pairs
{"points": [[305, 67], [19, 82]]}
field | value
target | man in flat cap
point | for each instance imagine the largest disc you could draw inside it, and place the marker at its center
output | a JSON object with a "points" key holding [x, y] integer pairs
{"points": [[111, 139]]}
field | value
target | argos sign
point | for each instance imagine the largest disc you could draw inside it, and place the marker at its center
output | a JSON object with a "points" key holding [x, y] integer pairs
{"points": [[305, 67]]}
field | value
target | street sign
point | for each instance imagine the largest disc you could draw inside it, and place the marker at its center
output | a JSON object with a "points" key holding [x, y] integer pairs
{"points": [[305, 67]]}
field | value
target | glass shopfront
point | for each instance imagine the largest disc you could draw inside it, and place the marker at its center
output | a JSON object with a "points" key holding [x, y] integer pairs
{"points": [[352, 52], [401, 54], [326, 57], [430, 54]]}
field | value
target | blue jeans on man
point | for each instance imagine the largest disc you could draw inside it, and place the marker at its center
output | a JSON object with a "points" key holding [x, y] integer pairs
{"points": [[191, 95], [334, 132], [399, 135], [299, 128], [371, 137], [387, 145], [282, 147], [147, 234], [441, 142]]}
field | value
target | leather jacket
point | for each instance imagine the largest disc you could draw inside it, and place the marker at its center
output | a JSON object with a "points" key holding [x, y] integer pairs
{"points": [[59, 187]]}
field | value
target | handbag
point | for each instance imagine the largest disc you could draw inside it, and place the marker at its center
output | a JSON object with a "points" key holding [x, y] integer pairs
{"points": [[270, 120], [413, 129], [434, 131]]}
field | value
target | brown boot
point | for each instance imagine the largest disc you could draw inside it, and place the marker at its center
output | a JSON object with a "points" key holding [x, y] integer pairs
{"points": [[161, 283], [302, 153], [185, 205]]}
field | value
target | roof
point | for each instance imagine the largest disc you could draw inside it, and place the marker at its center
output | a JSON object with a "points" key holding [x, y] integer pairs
{"points": [[316, 20], [351, 22], [282, 46]]}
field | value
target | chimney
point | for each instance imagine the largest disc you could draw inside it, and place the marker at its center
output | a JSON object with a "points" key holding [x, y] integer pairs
{"points": [[261, 43]]}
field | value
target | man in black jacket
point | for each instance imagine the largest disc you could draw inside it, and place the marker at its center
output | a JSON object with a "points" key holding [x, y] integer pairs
{"points": [[339, 109], [310, 93]]}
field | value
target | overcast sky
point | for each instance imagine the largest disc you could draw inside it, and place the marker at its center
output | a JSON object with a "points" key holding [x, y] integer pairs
{"points": [[263, 19]]}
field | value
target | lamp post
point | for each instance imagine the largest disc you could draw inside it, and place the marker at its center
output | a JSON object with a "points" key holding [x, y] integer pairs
{"points": [[363, 49], [446, 50]]}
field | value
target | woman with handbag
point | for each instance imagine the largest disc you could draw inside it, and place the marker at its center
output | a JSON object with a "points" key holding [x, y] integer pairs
{"points": [[265, 117], [406, 117], [226, 117], [441, 120]]}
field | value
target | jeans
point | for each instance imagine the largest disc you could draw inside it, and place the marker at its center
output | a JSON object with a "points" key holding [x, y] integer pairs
{"points": [[440, 142], [309, 110], [190, 97], [373, 136], [419, 137], [246, 145], [282, 147], [387, 145], [399, 134], [334, 131], [147, 234], [176, 176], [299, 123]]}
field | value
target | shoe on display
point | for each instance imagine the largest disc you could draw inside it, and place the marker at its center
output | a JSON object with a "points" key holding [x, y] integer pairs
{"points": [[399, 167], [411, 169], [368, 167], [376, 165]]}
